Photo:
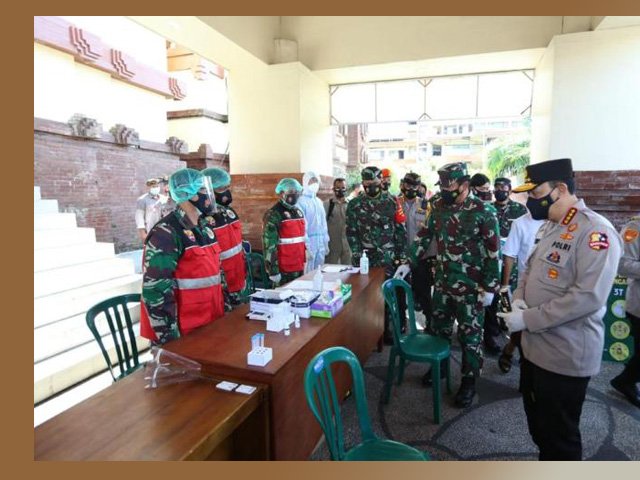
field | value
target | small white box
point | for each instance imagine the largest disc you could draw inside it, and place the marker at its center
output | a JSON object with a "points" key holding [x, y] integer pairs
{"points": [[259, 356]]}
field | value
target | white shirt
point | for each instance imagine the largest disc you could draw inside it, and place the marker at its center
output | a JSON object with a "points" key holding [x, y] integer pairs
{"points": [[521, 240]]}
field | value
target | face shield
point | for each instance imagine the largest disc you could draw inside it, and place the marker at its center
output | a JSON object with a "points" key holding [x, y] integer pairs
{"points": [[206, 200]]}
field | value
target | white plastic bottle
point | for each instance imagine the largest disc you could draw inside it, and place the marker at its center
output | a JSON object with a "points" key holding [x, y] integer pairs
{"points": [[364, 263], [317, 281]]}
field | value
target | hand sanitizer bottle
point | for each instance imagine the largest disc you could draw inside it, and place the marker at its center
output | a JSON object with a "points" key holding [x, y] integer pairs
{"points": [[364, 263], [317, 281]]}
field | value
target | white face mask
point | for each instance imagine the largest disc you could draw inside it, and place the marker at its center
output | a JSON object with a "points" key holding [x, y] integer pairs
{"points": [[314, 187], [154, 190]]}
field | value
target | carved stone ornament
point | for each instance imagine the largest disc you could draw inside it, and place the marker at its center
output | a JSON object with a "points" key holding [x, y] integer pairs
{"points": [[176, 145], [124, 135], [83, 126]]}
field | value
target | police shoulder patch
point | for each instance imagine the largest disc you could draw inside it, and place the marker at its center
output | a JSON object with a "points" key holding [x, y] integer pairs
{"points": [[598, 241], [630, 234]]}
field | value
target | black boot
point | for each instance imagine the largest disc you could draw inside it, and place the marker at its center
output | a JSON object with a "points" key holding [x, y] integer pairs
{"points": [[465, 394], [627, 388], [427, 381]]}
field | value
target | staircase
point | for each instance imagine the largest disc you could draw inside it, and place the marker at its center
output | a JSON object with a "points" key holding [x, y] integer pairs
{"points": [[72, 272]]}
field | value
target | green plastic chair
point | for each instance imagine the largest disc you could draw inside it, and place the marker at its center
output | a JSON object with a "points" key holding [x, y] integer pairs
{"points": [[319, 388], [118, 318], [413, 346]]}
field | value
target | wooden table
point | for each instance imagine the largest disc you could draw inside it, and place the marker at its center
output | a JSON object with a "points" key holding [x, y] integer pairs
{"points": [[184, 421], [222, 347]]}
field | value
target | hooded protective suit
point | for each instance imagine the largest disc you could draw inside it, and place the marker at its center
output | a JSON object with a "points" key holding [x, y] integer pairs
{"points": [[313, 210]]}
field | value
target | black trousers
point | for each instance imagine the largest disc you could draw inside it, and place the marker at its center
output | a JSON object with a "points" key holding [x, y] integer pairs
{"points": [[553, 404], [491, 322], [631, 372], [421, 284]]}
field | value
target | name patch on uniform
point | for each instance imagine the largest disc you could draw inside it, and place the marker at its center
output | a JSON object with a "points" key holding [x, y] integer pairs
{"points": [[190, 234], [566, 236], [209, 232], [572, 228], [630, 234], [598, 241], [554, 257], [561, 246], [231, 214], [552, 273], [569, 216]]}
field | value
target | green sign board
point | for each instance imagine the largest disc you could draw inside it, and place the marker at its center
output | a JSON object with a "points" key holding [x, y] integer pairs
{"points": [[618, 342]]}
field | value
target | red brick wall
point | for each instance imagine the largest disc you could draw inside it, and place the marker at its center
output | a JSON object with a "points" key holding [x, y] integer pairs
{"points": [[615, 194], [97, 180]]}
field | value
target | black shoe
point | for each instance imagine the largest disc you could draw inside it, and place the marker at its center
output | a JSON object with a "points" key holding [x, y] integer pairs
{"points": [[465, 394], [628, 389], [427, 381]]}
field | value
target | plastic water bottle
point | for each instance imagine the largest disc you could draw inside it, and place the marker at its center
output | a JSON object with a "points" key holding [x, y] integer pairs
{"points": [[364, 263], [317, 281]]}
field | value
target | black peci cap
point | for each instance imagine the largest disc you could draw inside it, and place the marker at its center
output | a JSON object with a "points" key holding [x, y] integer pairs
{"points": [[538, 173]]}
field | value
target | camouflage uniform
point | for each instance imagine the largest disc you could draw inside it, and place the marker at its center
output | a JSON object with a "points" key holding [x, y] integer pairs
{"points": [[163, 248], [371, 227], [468, 246], [270, 237]]}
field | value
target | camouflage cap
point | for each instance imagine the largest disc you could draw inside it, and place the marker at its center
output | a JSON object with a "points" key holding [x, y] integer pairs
{"points": [[371, 173], [452, 172], [412, 178]]}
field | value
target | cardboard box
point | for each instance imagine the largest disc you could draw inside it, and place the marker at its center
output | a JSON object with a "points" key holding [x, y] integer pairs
{"points": [[322, 308]]}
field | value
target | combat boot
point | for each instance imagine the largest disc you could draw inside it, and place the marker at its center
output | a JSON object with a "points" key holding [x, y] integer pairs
{"points": [[467, 391]]}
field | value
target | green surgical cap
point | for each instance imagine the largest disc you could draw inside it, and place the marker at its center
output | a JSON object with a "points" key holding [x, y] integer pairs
{"points": [[287, 184], [219, 177], [184, 184]]}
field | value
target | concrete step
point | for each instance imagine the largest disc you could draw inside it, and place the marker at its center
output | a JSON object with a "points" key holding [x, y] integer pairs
{"points": [[78, 300], [53, 221], [36, 194], [63, 237], [68, 278], [63, 371], [56, 338], [45, 206], [49, 258]]}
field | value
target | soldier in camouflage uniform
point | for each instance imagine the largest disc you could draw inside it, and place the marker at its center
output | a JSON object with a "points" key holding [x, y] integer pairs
{"points": [[182, 284], [372, 226], [507, 211], [466, 233], [284, 235]]}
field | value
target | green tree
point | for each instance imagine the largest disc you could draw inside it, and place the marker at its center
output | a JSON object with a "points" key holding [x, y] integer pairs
{"points": [[509, 159]]}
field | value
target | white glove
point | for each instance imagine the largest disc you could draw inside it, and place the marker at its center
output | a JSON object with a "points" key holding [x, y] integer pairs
{"points": [[487, 299], [402, 271], [275, 278], [519, 304], [514, 320]]}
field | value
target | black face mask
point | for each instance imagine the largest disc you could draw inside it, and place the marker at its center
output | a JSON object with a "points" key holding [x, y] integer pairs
{"points": [[203, 204], [539, 207], [385, 186], [449, 196], [484, 196], [340, 192], [291, 199], [420, 194], [224, 198], [501, 195], [410, 193], [373, 189]]}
